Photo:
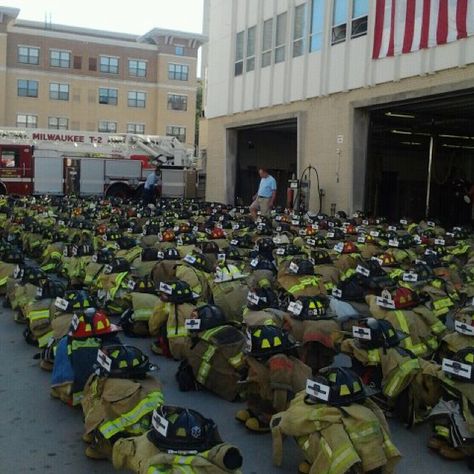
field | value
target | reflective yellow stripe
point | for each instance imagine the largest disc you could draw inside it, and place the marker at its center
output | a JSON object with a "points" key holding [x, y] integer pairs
{"points": [[364, 431], [442, 303], [237, 360], [77, 398], [442, 431], [438, 327], [205, 366], [118, 282], [143, 314], [433, 343], [304, 283], [418, 349], [3, 281], [391, 388], [43, 340], [343, 458], [173, 332], [146, 406], [38, 314], [373, 356]]}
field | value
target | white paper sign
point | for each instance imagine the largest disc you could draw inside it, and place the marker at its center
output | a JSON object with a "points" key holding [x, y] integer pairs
{"points": [[190, 259], [160, 424], [410, 277], [464, 328], [337, 293], [362, 271], [294, 268], [131, 285], [362, 333], [457, 368], [192, 324], [104, 360], [254, 263], [74, 322], [61, 303], [317, 390], [39, 292], [295, 307], [253, 298], [165, 288]]}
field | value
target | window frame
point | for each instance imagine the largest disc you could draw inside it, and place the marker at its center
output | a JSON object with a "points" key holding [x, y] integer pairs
{"points": [[108, 122], [342, 26], [145, 61], [108, 69], [179, 46], [178, 76], [186, 102], [359, 20], [251, 55], [24, 46], [135, 125], [27, 117], [59, 92], [27, 88], [60, 59], [136, 102], [58, 119], [280, 47], [316, 35], [108, 89], [239, 53], [177, 135], [266, 57], [299, 41]]}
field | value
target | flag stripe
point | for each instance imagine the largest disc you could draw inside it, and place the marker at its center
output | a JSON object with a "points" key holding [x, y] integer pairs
{"points": [[418, 24], [433, 21], [442, 28], [470, 18], [400, 26], [461, 17], [425, 25], [378, 31], [409, 26], [452, 21], [391, 45], [386, 29]]}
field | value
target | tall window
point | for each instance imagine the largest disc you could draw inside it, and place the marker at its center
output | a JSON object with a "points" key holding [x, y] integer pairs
{"points": [[360, 13], [339, 21], [109, 64], [108, 96], [239, 53], [137, 67], [58, 91], [267, 42], [251, 36], [27, 88], [280, 38], [317, 25], [28, 55], [58, 123], [177, 132], [179, 50], [177, 102], [27, 121], [58, 58], [136, 99], [178, 72], [138, 128], [107, 127], [299, 30]]}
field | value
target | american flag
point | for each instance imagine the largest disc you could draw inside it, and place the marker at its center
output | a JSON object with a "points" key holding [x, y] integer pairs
{"points": [[404, 26]]}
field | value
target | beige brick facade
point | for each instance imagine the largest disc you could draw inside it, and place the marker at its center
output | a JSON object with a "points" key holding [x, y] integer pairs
{"points": [[83, 78]]}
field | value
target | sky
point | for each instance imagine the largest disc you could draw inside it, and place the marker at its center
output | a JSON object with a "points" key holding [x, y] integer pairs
{"points": [[137, 18]]}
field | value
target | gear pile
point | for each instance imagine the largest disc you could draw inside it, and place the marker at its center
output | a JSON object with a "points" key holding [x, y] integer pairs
{"points": [[320, 325]]}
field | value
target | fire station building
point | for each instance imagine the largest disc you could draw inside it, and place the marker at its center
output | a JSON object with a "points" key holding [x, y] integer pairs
{"points": [[64, 77], [377, 96]]}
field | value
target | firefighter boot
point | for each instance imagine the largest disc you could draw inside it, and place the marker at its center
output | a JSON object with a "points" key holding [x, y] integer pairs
{"points": [[242, 416], [451, 453], [304, 468]]}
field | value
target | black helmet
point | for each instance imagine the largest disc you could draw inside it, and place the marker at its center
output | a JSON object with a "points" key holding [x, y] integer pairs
{"points": [[104, 256], [337, 387], [125, 362], [32, 274], [126, 243], [262, 298], [301, 267], [14, 255], [232, 253], [199, 261], [261, 263], [144, 284], [461, 366], [118, 265], [377, 333], [266, 341], [289, 250], [309, 308], [77, 300], [182, 431], [244, 241], [177, 292], [206, 317], [265, 247], [321, 257], [169, 254], [350, 290], [50, 288], [149, 254]]}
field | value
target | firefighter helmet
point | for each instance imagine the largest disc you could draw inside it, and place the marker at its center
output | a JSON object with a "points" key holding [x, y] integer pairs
{"points": [[268, 340], [262, 298], [199, 261], [377, 333], [209, 316], [149, 254], [309, 308], [92, 323], [177, 292], [301, 267]]}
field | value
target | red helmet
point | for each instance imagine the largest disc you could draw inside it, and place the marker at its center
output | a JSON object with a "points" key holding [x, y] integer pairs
{"points": [[388, 260], [349, 247], [168, 236], [404, 298], [217, 233], [92, 323], [351, 230], [310, 230]]}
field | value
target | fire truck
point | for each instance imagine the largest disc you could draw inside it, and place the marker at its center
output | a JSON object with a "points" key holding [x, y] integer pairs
{"points": [[34, 161]]}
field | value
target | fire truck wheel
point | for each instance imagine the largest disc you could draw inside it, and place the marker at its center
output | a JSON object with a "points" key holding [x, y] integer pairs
{"points": [[3, 189], [119, 190]]}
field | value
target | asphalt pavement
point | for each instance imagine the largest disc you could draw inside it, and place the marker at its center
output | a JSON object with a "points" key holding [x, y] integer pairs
{"points": [[39, 434]]}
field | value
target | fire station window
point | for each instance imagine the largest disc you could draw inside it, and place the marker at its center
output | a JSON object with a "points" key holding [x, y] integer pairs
{"points": [[108, 96], [251, 35], [27, 88], [177, 132], [28, 55], [59, 58], [360, 12], [317, 25], [10, 159], [179, 50], [299, 30], [58, 91], [280, 38], [267, 42], [109, 64], [178, 72], [138, 128], [239, 54], [339, 21], [26, 121], [137, 68], [136, 99], [58, 123], [107, 127], [177, 102]]}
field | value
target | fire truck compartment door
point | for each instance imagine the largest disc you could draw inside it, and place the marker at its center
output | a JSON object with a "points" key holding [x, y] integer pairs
{"points": [[123, 169], [92, 176], [48, 175], [173, 182]]}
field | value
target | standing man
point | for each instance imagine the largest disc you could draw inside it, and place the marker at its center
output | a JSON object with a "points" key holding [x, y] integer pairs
{"points": [[152, 183], [264, 200]]}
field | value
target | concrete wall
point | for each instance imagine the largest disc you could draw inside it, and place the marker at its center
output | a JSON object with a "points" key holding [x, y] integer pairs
{"points": [[341, 166]]}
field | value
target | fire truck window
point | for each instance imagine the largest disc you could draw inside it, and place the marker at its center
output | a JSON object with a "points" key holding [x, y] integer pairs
{"points": [[9, 159]]}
